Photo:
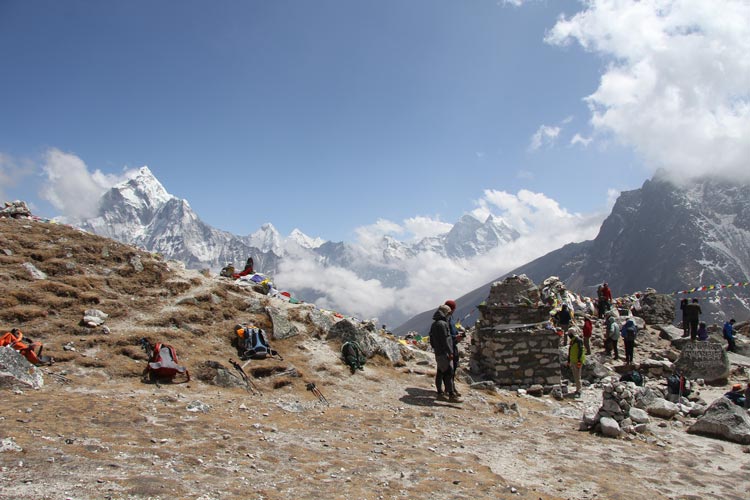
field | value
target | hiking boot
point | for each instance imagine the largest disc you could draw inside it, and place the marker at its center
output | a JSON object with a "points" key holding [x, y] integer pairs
{"points": [[457, 394], [441, 396], [453, 398]]}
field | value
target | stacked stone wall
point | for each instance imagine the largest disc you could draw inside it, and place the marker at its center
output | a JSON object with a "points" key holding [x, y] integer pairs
{"points": [[517, 356]]}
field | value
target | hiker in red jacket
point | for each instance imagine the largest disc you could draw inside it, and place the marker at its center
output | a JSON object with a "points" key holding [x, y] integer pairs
{"points": [[588, 329], [605, 299]]}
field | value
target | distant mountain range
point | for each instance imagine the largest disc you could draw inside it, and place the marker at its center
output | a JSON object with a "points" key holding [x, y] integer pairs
{"points": [[141, 212], [662, 236]]}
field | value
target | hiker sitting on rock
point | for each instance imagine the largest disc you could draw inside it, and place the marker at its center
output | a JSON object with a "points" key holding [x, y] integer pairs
{"points": [[736, 395], [248, 269]]}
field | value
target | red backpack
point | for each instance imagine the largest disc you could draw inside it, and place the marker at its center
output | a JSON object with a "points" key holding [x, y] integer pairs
{"points": [[163, 364]]}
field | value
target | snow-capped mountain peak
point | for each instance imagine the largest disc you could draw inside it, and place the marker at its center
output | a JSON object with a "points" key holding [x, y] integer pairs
{"points": [[143, 190], [304, 240], [267, 239]]}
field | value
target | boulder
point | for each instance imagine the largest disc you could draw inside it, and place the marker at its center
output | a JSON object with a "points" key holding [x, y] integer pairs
{"points": [[724, 420], [321, 321], [706, 360], [346, 331], [609, 427], [14, 368], [387, 348], [283, 328], [669, 332], [662, 408], [646, 396], [657, 308], [639, 416]]}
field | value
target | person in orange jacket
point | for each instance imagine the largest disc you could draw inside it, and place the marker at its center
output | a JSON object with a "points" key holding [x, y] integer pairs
{"points": [[14, 338]]}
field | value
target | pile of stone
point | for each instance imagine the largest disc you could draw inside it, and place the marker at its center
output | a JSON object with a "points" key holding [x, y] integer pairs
{"points": [[15, 209], [627, 408]]}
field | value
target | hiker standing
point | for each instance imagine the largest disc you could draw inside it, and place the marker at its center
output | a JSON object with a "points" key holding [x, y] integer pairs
{"points": [[604, 299], [693, 313], [729, 335], [562, 319], [685, 326], [612, 336], [629, 332], [455, 339], [588, 329], [440, 340], [576, 358]]}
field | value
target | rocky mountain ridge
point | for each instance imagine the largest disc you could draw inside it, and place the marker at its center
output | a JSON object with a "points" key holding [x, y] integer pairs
{"points": [[661, 236]]}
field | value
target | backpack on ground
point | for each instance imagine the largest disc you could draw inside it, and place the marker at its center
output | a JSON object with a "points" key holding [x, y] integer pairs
{"points": [[253, 344], [633, 376], [678, 384], [163, 364], [227, 271], [353, 355]]}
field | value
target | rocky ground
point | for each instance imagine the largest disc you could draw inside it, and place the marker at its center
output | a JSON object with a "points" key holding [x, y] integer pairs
{"points": [[95, 430]]}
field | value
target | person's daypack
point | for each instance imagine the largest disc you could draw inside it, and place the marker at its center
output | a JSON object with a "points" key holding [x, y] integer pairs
{"points": [[632, 376], [678, 384], [630, 332], [163, 364], [351, 349], [227, 271], [252, 343]]}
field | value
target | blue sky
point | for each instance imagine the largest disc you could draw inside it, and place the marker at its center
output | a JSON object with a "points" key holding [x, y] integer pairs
{"points": [[339, 117]]}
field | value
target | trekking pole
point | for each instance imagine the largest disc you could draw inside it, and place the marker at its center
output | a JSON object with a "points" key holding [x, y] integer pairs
{"points": [[312, 388], [249, 385]]}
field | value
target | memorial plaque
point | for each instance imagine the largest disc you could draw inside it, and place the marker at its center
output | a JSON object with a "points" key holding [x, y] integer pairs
{"points": [[706, 360]]}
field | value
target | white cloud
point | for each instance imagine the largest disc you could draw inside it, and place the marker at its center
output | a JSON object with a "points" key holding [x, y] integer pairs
{"points": [[544, 135], [677, 86], [71, 188], [424, 227], [579, 139], [430, 278]]}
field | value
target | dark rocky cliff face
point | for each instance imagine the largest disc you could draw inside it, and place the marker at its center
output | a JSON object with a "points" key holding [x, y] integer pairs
{"points": [[662, 236]]}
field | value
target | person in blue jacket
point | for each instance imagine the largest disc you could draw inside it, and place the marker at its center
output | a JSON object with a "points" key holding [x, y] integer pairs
{"points": [[729, 335]]}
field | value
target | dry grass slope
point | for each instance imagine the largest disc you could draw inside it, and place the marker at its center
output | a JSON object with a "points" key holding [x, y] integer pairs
{"points": [[96, 431]]}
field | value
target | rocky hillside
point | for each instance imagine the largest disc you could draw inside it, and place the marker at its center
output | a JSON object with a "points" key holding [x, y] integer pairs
{"points": [[95, 430], [661, 236]]}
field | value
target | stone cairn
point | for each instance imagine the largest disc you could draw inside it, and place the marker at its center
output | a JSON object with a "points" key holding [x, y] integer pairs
{"points": [[627, 408], [514, 345]]}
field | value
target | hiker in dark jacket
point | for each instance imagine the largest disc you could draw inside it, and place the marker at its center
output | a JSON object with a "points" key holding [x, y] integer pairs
{"points": [[693, 313], [685, 326], [629, 332], [455, 339], [440, 340], [562, 320]]}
